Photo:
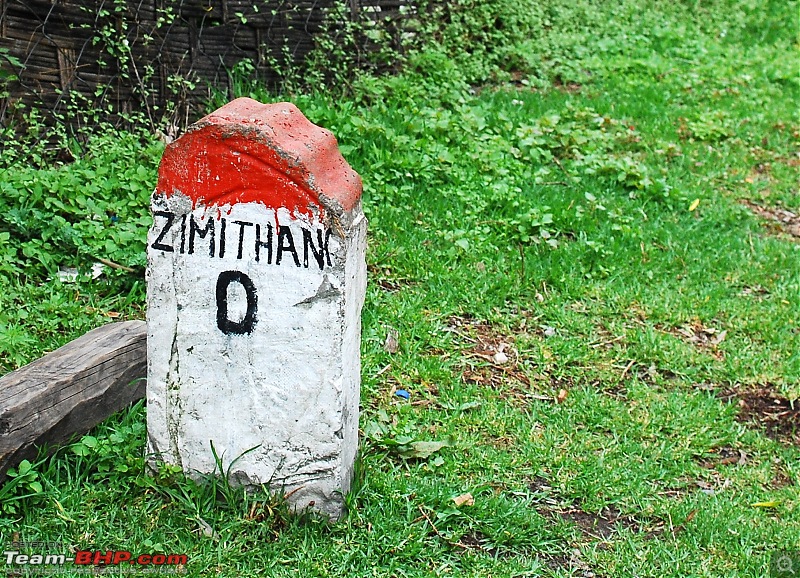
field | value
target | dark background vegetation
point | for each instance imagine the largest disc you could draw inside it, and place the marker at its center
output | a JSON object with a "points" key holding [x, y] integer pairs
{"points": [[73, 57]]}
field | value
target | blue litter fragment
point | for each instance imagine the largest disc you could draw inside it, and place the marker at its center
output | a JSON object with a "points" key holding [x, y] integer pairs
{"points": [[402, 393]]}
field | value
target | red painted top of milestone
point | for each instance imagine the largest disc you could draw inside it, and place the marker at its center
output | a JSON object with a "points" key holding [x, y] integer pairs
{"points": [[252, 152]]}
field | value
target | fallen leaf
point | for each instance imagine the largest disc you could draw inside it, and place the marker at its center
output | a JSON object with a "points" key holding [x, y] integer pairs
{"points": [[705, 487], [206, 528], [742, 458], [720, 337], [500, 358], [464, 500], [423, 450], [469, 405], [694, 205], [391, 344]]}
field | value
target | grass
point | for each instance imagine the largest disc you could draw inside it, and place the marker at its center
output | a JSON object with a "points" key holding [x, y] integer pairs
{"points": [[593, 213]]}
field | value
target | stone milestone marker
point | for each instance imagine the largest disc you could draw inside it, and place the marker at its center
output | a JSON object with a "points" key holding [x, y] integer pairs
{"points": [[256, 279]]}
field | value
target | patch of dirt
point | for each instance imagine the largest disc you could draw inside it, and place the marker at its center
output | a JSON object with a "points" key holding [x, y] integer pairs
{"points": [[545, 498], [473, 540], [570, 87], [780, 221], [476, 541], [574, 563], [598, 525], [601, 525], [606, 339], [782, 479], [762, 171], [539, 484], [485, 341], [502, 361], [558, 562], [386, 279], [723, 457], [699, 335], [766, 409], [791, 161], [756, 291]]}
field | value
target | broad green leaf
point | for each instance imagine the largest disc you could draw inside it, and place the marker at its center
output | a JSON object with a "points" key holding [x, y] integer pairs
{"points": [[89, 441], [424, 450]]}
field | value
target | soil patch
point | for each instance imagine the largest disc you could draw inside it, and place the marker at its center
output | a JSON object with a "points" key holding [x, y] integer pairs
{"points": [[723, 457], [539, 484], [386, 279], [699, 335], [494, 361], [477, 541], [779, 221], [766, 409], [485, 342], [570, 87], [597, 525], [781, 479], [573, 563], [601, 525]]}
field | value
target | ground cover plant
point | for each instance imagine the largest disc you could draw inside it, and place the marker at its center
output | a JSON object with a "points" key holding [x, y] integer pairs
{"points": [[584, 267]]}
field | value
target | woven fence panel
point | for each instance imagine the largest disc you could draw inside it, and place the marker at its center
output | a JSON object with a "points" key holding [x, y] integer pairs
{"points": [[160, 57]]}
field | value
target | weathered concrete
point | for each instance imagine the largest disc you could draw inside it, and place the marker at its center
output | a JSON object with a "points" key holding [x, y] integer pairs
{"points": [[256, 281]]}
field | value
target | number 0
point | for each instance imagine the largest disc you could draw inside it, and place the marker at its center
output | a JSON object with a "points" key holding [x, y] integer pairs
{"points": [[246, 325]]}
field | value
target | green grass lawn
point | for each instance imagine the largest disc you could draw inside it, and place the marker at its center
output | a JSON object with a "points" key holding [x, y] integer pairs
{"points": [[590, 258]]}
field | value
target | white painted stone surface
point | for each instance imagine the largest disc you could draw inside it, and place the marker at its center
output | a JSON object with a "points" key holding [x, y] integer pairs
{"points": [[279, 404]]}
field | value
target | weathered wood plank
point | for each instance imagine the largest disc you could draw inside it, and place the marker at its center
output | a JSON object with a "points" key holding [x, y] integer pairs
{"points": [[71, 390]]}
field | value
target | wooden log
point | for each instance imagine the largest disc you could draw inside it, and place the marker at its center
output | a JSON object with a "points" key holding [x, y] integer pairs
{"points": [[70, 390]]}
